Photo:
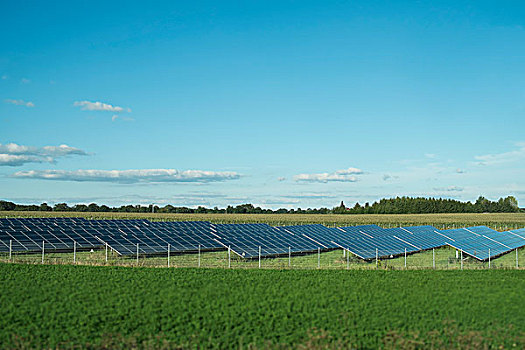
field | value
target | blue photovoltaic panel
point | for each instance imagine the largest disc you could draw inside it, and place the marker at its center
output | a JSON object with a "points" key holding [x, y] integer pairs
{"points": [[480, 230], [154, 237], [245, 240], [123, 236], [423, 237], [458, 234], [363, 241], [476, 242], [187, 235], [510, 239], [319, 234], [120, 235], [479, 248], [58, 234], [378, 230]]}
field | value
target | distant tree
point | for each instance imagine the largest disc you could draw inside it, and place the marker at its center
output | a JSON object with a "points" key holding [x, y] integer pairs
{"points": [[7, 206], [45, 207], [93, 207], [61, 207]]}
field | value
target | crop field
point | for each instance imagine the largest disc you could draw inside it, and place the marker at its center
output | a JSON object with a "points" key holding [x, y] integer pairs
{"points": [[498, 221], [61, 306]]}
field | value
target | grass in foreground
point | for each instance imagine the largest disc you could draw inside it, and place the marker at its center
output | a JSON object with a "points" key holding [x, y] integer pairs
{"points": [[61, 306], [445, 259]]}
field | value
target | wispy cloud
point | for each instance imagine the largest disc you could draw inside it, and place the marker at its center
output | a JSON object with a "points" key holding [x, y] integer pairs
{"points": [[345, 175], [460, 171], [310, 196], [20, 103], [388, 177], [99, 106], [281, 179], [25, 81], [12, 154], [505, 157], [449, 189], [130, 176], [116, 117]]}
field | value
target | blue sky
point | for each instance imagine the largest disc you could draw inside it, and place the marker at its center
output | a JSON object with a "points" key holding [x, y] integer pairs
{"points": [[280, 104]]}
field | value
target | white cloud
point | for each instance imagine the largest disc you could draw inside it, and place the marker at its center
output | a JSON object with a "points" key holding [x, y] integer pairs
{"points": [[129, 176], [20, 103], [99, 106], [118, 117], [281, 179], [12, 154], [430, 155], [505, 157], [25, 81], [4, 77], [387, 177], [460, 171], [18, 160], [345, 175], [449, 189]]}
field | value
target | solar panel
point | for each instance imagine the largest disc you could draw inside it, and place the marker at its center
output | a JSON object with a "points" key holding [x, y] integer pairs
{"points": [[511, 239], [245, 240], [153, 238], [317, 233], [369, 241], [186, 236], [423, 237], [27, 234], [480, 242]]}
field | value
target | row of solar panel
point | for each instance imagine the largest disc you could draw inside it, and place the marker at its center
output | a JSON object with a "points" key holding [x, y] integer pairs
{"points": [[127, 237]]}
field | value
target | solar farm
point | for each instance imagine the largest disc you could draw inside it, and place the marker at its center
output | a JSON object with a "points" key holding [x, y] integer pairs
{"points": [[138, 240], [73, 282]]}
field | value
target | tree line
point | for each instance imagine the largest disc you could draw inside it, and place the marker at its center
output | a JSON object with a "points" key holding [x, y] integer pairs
{"points": [[398, 205], [421, 205]]}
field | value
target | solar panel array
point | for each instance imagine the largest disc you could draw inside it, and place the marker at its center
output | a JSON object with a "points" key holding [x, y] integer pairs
{"points": [[245, 240], [131, 237], [483, 243], [123, 236]]}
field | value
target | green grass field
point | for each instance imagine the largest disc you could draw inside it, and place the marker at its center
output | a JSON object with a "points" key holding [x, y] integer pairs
{"points": [[445, 259], [58, 306], [499, 221]]}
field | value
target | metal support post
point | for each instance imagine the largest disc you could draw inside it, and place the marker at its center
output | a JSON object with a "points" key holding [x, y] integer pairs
{"points": [[229, 257], [461, 251], [405, 258], [199, 255], [74, 252], [43, 244], [517, 265], [11, 249], [137, 254], [289, 256], [377, 258], [168, 255], [318, 257], [433, 258], [489, 258], [259, 256], [348, 260], [106, 252]]}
